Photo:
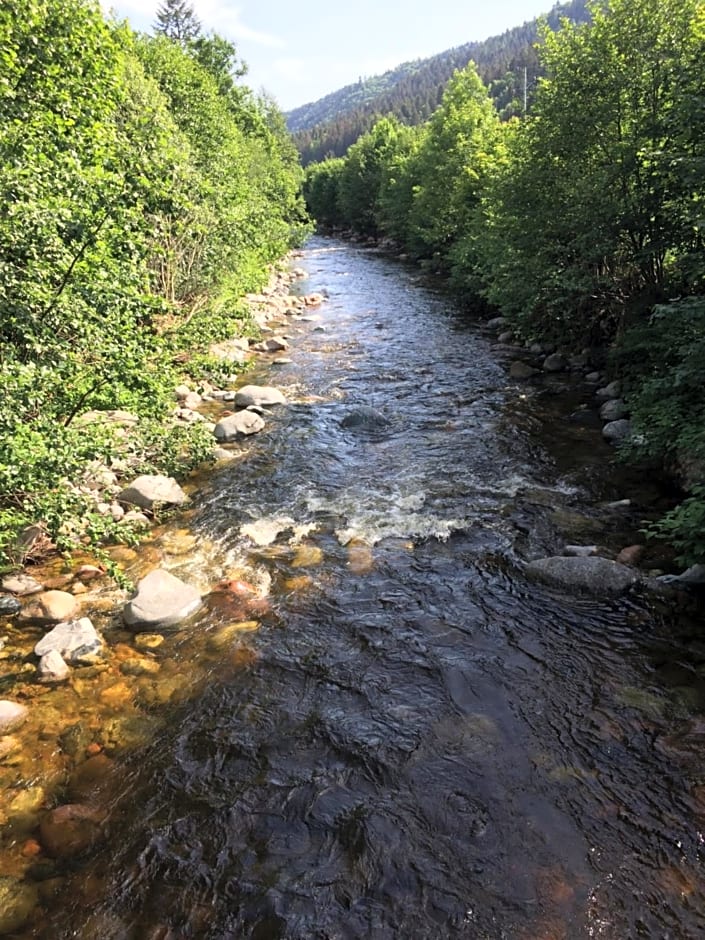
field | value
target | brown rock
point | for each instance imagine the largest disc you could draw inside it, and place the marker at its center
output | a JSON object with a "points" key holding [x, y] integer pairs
{"points": [[631, 555], [70, 830], [52, 607]]}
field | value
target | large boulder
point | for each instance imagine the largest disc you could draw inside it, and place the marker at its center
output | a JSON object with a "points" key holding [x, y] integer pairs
{"points": [[614, 409], [147, 490], [583, 573], [555, 363], [76, 641], [162, 601], [241, 424], [261, 395], [617, 431]]}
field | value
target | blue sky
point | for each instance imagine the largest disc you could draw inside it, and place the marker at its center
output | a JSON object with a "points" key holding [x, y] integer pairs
{"points": [[299, 52]]}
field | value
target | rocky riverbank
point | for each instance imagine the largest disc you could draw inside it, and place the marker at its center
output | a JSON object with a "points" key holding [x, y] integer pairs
{"points": [[89, 670]]}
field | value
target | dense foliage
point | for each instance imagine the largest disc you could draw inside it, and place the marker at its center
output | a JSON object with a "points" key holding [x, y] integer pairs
{"points": [[582, 222], [142, 193], [508, 64]]}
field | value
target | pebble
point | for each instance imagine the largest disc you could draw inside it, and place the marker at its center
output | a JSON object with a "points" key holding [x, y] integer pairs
{"points": [[12, 716], [148, 641]]}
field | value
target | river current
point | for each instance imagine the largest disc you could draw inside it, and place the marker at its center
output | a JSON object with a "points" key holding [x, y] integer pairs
{"points": [[420, 743]]}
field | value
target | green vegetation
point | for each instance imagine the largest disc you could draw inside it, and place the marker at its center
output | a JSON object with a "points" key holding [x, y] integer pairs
{"points": [[582, 221], [507, 64], [143, 192]]}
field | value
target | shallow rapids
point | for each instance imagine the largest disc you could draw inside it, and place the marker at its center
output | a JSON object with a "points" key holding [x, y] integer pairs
{"points": [[419, 743]]}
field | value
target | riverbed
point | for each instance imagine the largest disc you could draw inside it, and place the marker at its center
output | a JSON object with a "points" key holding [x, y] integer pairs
{"points": [[416, 742]]}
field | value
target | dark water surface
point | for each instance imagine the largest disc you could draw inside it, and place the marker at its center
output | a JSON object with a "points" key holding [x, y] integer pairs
{"points": [[426, 745]]}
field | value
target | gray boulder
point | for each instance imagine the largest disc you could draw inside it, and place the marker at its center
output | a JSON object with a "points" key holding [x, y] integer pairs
{"points": [[260, 395], [241, 424], [161, 601], [147, 490], [613, 390], [591, 574], [617, 431], [614, 409], [555, 363], [496, 323], [76, 641]]}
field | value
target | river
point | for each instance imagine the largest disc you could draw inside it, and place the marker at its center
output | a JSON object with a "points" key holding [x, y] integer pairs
{"points": [[418, 743]]}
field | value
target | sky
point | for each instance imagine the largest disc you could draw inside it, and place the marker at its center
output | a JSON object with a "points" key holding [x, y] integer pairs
{"points": [[299, 52]]}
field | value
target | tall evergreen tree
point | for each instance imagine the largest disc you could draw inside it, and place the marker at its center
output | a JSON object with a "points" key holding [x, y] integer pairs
{"points": [[177, 20]]}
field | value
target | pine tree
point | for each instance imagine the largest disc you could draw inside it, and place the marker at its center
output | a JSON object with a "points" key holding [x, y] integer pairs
{"points": [[177, 20]]}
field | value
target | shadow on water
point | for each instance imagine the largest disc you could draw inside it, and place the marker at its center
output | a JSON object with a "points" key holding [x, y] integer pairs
{"points": [[419, 743]]}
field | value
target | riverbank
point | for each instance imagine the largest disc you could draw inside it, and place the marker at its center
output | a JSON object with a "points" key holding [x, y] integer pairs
{"points": [[86, 681]]}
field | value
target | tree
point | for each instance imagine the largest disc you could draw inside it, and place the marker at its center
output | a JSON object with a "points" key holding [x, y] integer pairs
{"points": [[177, 20]]}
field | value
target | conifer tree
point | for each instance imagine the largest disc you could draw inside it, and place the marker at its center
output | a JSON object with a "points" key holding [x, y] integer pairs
{"points": [[177, 20]]}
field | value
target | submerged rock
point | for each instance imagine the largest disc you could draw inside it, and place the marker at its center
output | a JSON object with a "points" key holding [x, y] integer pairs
{"points": [[261, 395], [241, 424], [70, 830], [593, 574], [162, 600], [147, 490], [365, 416], [17, 902]]}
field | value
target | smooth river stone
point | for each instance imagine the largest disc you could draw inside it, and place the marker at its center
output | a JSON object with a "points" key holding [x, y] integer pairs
{"points": [[241, 424], [596, 575], [147, 490], [12, 716], [258, 395], [161, 601], [51, 607]]}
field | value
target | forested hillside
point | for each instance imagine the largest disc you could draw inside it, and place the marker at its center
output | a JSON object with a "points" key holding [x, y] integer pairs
{"points": [[582, 222], [413, 91], [143, 192]]}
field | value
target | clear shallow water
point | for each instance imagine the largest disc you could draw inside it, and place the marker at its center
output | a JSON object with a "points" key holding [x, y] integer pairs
{"points": [[424, 744]]}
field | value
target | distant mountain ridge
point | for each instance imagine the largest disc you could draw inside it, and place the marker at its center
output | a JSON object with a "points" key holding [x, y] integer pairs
{"points": [[413, 90]]}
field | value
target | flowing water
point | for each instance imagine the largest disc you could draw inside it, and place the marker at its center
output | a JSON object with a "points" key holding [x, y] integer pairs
{"points": [[418, 742]]}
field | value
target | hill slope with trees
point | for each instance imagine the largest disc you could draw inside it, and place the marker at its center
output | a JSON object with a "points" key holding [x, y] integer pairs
{"points": [[414, 90]]}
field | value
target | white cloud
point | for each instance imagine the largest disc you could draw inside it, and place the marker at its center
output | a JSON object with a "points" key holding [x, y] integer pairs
{"points": [[222, 16]]}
